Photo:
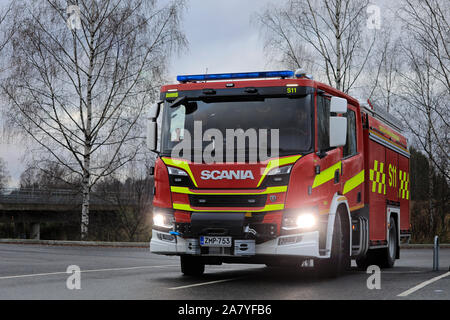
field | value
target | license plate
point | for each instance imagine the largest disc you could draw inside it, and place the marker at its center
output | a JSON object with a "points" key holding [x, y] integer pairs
{"points": [[208, 241]]}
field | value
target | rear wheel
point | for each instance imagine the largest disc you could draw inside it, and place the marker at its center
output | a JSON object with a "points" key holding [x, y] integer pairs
{"points": [[191, 266], [385, 257], [339, 261]]}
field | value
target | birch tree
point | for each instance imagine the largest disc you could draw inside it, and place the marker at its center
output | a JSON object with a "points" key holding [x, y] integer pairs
{"points": [[425, 89], [331, 30], [83, 73]]}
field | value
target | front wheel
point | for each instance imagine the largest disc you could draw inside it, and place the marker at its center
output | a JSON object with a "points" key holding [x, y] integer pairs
{"points": [[339, 261], [191, 266]]}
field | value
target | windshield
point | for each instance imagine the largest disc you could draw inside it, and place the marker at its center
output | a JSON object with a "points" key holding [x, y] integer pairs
{"points": [[292, 118]]}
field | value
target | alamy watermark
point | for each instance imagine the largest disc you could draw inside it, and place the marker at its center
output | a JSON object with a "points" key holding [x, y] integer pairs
{"points": [[74, 20], [237, 145], [73, 282], [374, 281], [374, 17]]}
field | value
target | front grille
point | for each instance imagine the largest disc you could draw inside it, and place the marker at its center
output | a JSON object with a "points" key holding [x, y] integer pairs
{"points": [[228, 201]]}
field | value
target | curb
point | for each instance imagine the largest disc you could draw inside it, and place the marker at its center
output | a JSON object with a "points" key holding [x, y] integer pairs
{"points": [[144, 245], [424, 246]]}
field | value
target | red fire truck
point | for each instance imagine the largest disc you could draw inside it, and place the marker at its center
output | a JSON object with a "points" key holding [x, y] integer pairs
{"points": [[337, 189]]}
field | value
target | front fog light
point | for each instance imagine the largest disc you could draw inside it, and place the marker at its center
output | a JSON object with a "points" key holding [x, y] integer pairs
{"points": [[306, 221]]}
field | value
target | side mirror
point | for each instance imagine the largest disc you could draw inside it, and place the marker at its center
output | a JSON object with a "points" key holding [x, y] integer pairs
{"points": [[338, 125], [152, 134], [154, 110], [152, 129], [338, 131], [338, 105]]}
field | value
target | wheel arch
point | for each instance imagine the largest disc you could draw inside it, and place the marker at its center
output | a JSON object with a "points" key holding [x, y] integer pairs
{"points": [[394, 212], [339, 205]]}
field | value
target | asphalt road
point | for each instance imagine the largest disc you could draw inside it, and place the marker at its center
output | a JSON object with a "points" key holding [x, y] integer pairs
{"points": [[39, 272]]}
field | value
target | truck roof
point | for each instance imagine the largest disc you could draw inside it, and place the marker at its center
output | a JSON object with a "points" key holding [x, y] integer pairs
{"points": [[258, 83]]}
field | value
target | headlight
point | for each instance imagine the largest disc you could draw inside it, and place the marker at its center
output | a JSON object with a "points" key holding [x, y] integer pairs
{"points": [[277, 177], [280, 171], [304, 220], [176, 172], [163, 220]]}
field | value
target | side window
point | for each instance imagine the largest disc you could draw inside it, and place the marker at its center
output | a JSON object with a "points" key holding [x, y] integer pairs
{"points": [[350, 148], [323, 123], [177, 124]]}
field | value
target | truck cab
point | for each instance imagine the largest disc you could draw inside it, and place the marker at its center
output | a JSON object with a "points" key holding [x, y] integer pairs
{"points": [[270, 168]]}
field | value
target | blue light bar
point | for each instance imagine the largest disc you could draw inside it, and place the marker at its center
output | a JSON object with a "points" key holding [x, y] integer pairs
{"points": [[233, 76]]}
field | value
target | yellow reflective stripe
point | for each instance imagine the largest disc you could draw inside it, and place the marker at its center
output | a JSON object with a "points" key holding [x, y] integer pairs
{"points": [[269, 207], [182, 164], [352, 183], [277, 163], [326, 175], [269, 190], [172, 95]]}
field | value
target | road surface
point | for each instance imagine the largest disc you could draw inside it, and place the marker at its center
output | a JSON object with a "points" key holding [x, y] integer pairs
{"points": [[39, 272]]}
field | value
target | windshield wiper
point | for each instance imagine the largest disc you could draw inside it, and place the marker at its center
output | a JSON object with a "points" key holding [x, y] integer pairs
{"points": [[178, 101]]}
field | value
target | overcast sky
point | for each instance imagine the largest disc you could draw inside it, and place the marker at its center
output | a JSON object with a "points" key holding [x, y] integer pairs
{"points": [[221, 39]]}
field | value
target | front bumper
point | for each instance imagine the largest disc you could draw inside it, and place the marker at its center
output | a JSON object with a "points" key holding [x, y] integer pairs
{"points": [[299, 245]]}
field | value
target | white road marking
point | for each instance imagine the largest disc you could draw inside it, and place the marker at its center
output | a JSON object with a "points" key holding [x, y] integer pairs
{"points": [[204, 283], [423, 284], [85, 271]]}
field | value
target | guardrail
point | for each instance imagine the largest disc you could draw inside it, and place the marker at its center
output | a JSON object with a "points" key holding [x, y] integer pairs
{"points": [[62, 196], [77, 243]]}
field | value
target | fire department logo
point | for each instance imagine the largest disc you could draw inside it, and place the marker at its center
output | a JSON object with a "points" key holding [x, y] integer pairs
{"points": [[378, 178]]}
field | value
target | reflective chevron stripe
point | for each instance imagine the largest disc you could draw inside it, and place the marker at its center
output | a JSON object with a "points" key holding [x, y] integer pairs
{"points": [[354, 182], [327, 175]]}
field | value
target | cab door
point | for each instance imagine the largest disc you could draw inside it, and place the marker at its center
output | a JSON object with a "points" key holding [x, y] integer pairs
{"points": [[352, 177]]}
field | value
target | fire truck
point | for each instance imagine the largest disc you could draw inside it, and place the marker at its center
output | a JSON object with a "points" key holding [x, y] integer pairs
{"points": [[336, 189]]}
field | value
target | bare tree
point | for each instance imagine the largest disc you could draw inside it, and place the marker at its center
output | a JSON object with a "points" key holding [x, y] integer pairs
{"points": [[133, 198], [427, 22], [83, 73], [425, 90], [387, 63], [7, 33], [332, 30], [4, 175], [48, 175]]}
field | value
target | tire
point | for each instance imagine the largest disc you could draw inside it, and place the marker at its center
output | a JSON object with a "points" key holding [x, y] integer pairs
{"points": [[367, 260], [384, 258], [387, 255], [339, 262], [191, 266]]}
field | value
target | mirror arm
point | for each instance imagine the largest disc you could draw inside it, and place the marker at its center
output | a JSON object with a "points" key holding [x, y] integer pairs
{"points": [[321, 154]]}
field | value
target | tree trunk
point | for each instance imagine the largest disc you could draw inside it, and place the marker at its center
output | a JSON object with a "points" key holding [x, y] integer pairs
{"points": [[430, 174], [87, 147], [338, 46]]}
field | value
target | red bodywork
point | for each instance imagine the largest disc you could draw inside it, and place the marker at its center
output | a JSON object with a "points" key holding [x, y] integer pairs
{"points": [[301, 193]]}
